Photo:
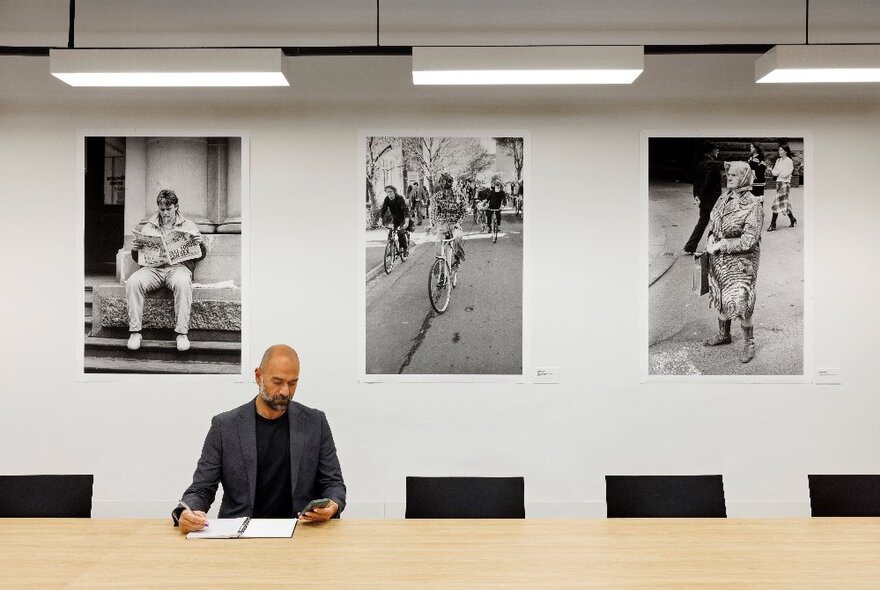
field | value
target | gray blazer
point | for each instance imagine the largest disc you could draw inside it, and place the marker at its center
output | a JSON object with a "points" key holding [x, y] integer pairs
{"points": [[229, 458]]}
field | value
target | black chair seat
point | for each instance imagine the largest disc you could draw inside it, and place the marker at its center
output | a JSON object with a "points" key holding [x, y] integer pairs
{"points": [[46, 496], [665, 496], [844, 495], [465, 497]]}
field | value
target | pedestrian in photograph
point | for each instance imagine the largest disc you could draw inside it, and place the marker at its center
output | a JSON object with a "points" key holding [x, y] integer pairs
{"points": [[707, 189], [782, 170], [177, 277], [395, 204], [757, 162], [418, 198], [734, 247]]}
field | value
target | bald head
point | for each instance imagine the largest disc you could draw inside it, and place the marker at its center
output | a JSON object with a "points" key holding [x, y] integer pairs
{"points": [[280, 352], [277, 377]]}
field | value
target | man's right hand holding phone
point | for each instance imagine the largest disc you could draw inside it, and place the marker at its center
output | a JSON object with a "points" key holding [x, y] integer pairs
{"points": [[319, 510]]}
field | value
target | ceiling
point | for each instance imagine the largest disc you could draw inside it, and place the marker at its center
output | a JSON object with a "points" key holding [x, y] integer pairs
{"points": [[406, 23]]}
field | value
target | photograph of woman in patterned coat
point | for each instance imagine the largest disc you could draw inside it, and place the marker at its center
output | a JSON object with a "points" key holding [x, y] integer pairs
{"points": [[719, 268], [734, 247]]}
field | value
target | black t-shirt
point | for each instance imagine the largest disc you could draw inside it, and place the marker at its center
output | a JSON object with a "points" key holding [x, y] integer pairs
{"points": [[274, 498]]}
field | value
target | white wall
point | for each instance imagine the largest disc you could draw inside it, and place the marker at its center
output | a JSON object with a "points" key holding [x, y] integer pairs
{"points": [[141, 441]]}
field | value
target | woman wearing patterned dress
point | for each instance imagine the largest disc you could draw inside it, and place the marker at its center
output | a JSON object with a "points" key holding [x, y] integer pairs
{"points": [[782, 170], [734, 247]]}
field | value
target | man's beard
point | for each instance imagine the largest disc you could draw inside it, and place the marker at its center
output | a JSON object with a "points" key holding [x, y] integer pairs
{"points": [[279, 403]]}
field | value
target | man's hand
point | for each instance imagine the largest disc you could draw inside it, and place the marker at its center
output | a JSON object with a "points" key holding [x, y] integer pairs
{"points": [[320, 514], [192, 521]]}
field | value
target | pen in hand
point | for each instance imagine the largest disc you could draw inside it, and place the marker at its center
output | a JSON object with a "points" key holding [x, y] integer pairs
{"points": [[186, 507]]}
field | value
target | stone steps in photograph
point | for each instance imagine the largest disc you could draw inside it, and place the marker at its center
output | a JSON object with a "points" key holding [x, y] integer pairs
{"points": [[149, 366], [165, 350], [212, 309]]}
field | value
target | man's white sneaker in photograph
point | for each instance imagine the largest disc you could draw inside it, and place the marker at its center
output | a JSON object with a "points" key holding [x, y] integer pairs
{"points": [[182, 342], [134, 341]]}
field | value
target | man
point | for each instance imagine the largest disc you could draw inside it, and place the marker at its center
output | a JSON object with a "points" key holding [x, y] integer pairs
{"points": [[707, 189], [418, 197], [495, 199], [272, 455], [177, 277], [446, 213], [395, 204]]}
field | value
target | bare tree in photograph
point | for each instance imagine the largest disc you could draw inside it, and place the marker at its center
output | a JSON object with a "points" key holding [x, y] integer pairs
{"points": [[376, 148], [456, 155], [476, 159], [514, 146]]}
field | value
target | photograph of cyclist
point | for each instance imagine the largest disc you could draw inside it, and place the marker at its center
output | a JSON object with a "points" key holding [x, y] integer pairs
{"points": [[495, 198], [447, 211], [427, 313], [395, 205]]}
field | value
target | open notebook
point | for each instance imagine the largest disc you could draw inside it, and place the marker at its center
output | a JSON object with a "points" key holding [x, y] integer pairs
{"points": [[246, 528]]}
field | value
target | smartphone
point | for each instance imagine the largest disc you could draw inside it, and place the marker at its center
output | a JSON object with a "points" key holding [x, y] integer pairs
{"points": [[315, 504]]}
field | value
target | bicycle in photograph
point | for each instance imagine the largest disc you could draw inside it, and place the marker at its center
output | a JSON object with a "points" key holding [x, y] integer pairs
{"points": [[393, 250], [493, 222], [442, 278]]}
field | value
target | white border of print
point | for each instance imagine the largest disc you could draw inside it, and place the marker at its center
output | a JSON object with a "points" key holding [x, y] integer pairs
{"points": [[357, 189], [245, 375], [807, 226]]}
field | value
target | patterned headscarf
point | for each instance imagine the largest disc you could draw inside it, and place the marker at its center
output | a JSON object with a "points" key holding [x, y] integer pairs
{"points": [[741, 174]]}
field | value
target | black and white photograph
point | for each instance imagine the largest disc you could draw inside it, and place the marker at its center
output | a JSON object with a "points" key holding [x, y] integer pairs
{"points": [[162, 258], [443, 219], [726, 272]]}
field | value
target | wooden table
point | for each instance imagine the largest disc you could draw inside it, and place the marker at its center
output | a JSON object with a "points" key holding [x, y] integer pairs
{"points": [[660, 553]]}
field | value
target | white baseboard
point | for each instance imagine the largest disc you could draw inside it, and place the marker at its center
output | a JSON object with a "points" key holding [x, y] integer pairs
{"points": [[397, 510]]}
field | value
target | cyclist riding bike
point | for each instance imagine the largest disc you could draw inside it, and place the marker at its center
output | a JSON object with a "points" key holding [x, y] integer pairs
{"points": [[395, 203], [496, 198], [447, 211]]}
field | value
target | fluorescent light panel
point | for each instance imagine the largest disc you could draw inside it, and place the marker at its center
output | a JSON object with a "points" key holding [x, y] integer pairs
{"points": [[527, 65], [169, 67], [787, 64]]}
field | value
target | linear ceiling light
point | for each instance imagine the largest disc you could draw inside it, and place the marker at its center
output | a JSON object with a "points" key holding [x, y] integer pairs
{"points": [[169, 67], [819, 63], [527, 65]]}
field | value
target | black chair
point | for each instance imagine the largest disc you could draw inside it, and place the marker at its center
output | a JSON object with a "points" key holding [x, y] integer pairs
{"points": [[844, 495], [465, 497], [46, 496], [665, 496]]}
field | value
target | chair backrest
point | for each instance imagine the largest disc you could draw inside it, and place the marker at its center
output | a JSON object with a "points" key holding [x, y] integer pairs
{"points": [[465, 497], [47, 496], [665, 496], [844, 495]]}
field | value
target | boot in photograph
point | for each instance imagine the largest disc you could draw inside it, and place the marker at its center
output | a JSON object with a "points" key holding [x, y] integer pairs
{"points": [[773, 222], [792, 220], [723, 335], [748, 352]]}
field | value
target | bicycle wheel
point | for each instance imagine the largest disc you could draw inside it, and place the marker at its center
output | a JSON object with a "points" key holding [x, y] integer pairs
{"points": [[440, 285], [390, 254]]}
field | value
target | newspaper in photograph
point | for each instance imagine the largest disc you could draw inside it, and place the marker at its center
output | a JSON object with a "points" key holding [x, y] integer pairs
{"points": [[172, 248]]}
